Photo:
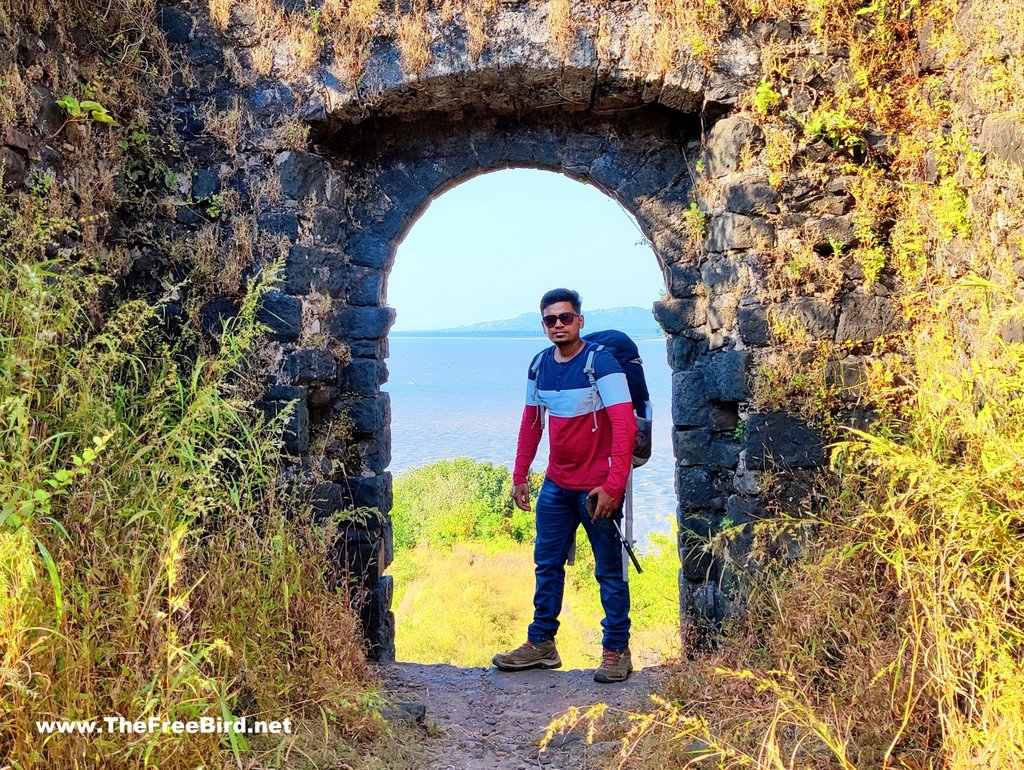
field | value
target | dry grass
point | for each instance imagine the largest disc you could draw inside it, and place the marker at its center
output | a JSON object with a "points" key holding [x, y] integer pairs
{"points": [[225, 125], [897, 640], [15, 103], [267, 188], [147, 564], [241, 73], [414, 38], [220, 12], [292, 135], [304, 44], [476, 31], [561, 28], [351, 22]]}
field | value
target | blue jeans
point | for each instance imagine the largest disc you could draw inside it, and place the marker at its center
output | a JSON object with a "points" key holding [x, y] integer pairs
{"points": [[559, 513]]}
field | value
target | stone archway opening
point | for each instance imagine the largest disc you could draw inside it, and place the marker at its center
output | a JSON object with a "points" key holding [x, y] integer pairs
{"points": [[483, 251], [644, 159]]}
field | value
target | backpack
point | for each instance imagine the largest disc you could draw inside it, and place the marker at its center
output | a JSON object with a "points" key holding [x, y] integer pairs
{"points": [[627, 354]]}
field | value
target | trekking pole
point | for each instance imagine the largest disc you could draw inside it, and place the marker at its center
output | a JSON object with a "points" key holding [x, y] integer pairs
{"points": [[628, 549], [626, 538]]}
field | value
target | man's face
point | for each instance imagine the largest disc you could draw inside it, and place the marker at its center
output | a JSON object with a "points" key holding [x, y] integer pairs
{"points": [[562, 333]]}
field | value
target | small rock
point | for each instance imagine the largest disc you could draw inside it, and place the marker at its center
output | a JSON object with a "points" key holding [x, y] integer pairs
{"points": [[14, 168], [244, 25], [1003, 137], [408, 712], [726, 142], [50, 116], [750, 195], [561, 741]]}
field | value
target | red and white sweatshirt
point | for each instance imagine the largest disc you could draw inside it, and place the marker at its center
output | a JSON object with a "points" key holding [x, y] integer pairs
{"points": [[591, 440]]}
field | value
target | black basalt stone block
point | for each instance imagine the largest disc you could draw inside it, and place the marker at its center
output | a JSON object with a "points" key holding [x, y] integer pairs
{"points": [[327, 498], [368, 414], [726, 375], [215, 313], [310, 365], [282, 314], [753, 323], [296, 425], [691, 446], [284, 223], [361, 376], [367, 287], [175, 24], [690, 399], [369, 492], [284, 393], [695, 487], [363, 322], [743, 510], [205, 183], [307, 268], [302, 174], [676, 315], [778, 440], [368, 249]]}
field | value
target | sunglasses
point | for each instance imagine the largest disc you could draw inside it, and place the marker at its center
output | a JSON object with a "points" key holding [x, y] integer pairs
{"points": [[565, 318]]}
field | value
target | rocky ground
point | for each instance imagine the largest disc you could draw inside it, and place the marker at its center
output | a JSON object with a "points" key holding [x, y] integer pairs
{"points": [[485, 719]]}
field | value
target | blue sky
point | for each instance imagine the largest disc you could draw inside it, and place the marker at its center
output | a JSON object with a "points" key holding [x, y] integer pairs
{"points": [[489, 248]]}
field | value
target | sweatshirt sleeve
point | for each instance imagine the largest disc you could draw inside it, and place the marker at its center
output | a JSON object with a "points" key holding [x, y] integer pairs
{"points": [[614, 391], [531, 428]]}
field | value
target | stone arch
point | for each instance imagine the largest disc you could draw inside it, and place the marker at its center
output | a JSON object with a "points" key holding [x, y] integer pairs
{"points": [[384, 145], [644, 160]]}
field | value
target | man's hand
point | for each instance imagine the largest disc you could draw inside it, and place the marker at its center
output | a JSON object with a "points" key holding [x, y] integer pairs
{"points": [[521, 496], [606, 504]]}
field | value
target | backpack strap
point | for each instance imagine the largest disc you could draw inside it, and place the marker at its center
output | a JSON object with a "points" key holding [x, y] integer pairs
{"points": [[535, 366], [589, 369], [535, 370]]}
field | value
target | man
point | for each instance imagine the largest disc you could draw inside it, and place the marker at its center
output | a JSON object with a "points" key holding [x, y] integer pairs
{"points": [[591, 444]]}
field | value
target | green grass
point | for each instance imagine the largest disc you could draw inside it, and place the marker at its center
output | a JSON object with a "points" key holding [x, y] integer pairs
{"points": [[460, 600]]}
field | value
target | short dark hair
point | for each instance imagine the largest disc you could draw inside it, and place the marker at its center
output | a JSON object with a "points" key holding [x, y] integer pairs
{"points": [[562, 295]]}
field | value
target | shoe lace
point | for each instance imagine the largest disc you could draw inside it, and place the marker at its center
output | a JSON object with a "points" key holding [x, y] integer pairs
{"points": [[611, 658]]}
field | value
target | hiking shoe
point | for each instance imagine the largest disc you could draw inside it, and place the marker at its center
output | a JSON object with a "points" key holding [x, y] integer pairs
{"points": [[529, 655], [615, 666]]}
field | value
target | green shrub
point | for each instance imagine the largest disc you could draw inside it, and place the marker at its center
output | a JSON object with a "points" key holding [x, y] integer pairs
{"points": [[454, 500]]}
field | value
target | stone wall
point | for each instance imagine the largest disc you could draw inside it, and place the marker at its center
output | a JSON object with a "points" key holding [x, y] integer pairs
{"points": [[333, 203], [381, 150]]}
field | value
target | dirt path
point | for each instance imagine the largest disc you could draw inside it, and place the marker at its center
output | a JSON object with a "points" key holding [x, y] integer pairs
{"points": [[493, 720]]}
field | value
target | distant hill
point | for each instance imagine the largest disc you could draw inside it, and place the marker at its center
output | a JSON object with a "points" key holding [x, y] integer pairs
{"points": [[637, 322]]}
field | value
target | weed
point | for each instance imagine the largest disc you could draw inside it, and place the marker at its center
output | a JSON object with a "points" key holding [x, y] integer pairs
{"points": [[146, 164], [85, 110], [836, 128], [142, 462], [766, 98], [696, 221]]}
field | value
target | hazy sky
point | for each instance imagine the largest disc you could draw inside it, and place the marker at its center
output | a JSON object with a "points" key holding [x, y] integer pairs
{"points": [[489, 248]]}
